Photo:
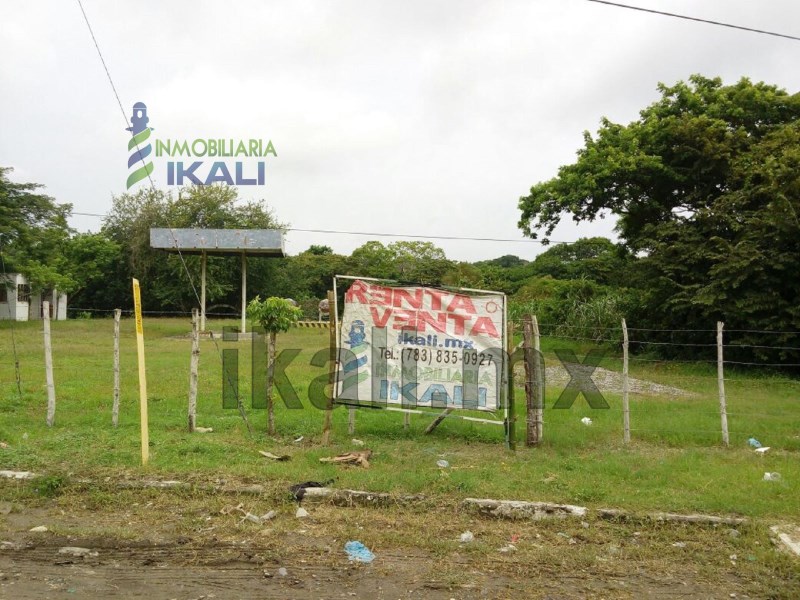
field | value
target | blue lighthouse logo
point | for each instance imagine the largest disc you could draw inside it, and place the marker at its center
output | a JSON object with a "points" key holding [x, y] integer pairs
{"points": [[138, 145]]}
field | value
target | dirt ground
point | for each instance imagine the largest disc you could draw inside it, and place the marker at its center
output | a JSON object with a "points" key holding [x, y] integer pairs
{"points": [[157, 544]]}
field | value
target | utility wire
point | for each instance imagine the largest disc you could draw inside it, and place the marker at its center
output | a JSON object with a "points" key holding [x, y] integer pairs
{"points": [[393, 235], [688, 18], [153, 187]]}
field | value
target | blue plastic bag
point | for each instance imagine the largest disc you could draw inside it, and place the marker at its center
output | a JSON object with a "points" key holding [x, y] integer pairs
{"points": [[358, 552], [754, 443]]}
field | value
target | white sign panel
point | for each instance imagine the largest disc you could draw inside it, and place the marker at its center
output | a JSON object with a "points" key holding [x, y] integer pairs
{"points": [[420, 346]]}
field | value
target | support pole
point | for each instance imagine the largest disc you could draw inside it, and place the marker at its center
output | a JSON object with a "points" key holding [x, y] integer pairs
{"points": [[244, 293], [626, 409], [48, 366], [203, 291], [326, 427], [435, 423], [193, 365], [115, 407], [723, 410]]}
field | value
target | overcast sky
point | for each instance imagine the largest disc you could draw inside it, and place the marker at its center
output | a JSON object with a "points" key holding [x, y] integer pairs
{"points": [[414, 117]]}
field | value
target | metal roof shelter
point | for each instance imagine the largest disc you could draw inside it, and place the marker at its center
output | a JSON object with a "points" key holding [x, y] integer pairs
{"points": [[219, 242]]}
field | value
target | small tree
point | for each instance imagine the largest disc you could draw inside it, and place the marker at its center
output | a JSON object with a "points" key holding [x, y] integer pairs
{"points": [[275, 315]]}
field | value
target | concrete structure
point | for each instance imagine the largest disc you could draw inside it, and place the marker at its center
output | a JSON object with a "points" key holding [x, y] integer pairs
{"points": [[18, 303], [220, 242]]}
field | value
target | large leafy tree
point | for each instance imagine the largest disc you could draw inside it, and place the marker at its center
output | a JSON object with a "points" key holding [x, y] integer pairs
{"points": [[34, 234], [169, 280], [706, 190]]}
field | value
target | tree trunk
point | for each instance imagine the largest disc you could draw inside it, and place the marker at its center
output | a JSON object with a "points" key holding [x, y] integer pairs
{"points": [[270, 378]]}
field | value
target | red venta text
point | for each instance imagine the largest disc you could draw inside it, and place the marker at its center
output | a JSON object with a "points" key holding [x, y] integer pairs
{"points": [[403, 309]]}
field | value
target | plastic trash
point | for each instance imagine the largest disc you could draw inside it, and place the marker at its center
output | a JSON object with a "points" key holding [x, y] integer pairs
{"points": [[357, 442], [754, 443], [358, 552], [299, 439], [772, 476], [586, 421], [442, 464], [283, 572], [301, 513], [467, 537], [762, 450]]}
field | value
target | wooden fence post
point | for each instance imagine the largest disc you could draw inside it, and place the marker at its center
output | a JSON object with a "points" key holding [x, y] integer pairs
{"points": [[193, 365], [48, 366], [115, 406], [539, 387], [531, 429], [723, 410], [626, 410], [511, 429], [326, 427]]}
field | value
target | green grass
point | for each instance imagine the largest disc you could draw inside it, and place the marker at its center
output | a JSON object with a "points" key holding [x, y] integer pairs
{"points": [[676, 461]]}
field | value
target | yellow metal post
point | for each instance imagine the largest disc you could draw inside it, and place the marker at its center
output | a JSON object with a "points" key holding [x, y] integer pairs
{"points": [[137, 305]]}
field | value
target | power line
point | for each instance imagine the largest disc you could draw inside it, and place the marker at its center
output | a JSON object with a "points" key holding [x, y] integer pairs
{"points": [[392, 235], [153, 187], [424, 237], [688, 18]]}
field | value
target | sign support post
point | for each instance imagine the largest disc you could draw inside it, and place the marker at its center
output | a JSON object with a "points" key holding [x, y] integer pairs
{"points": [[137, 305]]}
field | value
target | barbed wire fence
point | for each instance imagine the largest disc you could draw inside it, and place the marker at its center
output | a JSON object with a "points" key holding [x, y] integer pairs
{"points": [[669, 400], [682, 396]]}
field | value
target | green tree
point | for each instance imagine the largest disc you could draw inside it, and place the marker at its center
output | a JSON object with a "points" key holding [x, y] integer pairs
{"points": [[166, 283], [274, 315], [419, 262], [97, 267], [704, 187], [597, 259], [34, 234]]}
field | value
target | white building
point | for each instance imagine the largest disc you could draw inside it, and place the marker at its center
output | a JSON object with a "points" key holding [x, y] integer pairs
{"points": [[17, 302]]}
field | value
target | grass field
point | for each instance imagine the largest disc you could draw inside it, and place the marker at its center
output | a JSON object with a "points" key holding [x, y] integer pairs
{"points": [[675, 462]]}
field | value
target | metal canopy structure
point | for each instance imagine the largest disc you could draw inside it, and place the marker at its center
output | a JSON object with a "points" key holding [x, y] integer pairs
{"points": [[219, 242]]}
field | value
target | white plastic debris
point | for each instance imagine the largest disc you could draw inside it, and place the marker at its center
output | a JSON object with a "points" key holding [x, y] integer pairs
{"points": [[301, 513], [772, 476], [17, 474], [467, 537], [77, 551], [299, 439], [39, 529], [357, 442], [442, 464], [679, 545], [586, 421], [269, 516], [762, 450], [203, 429], [283, 572], [508, 548]]}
